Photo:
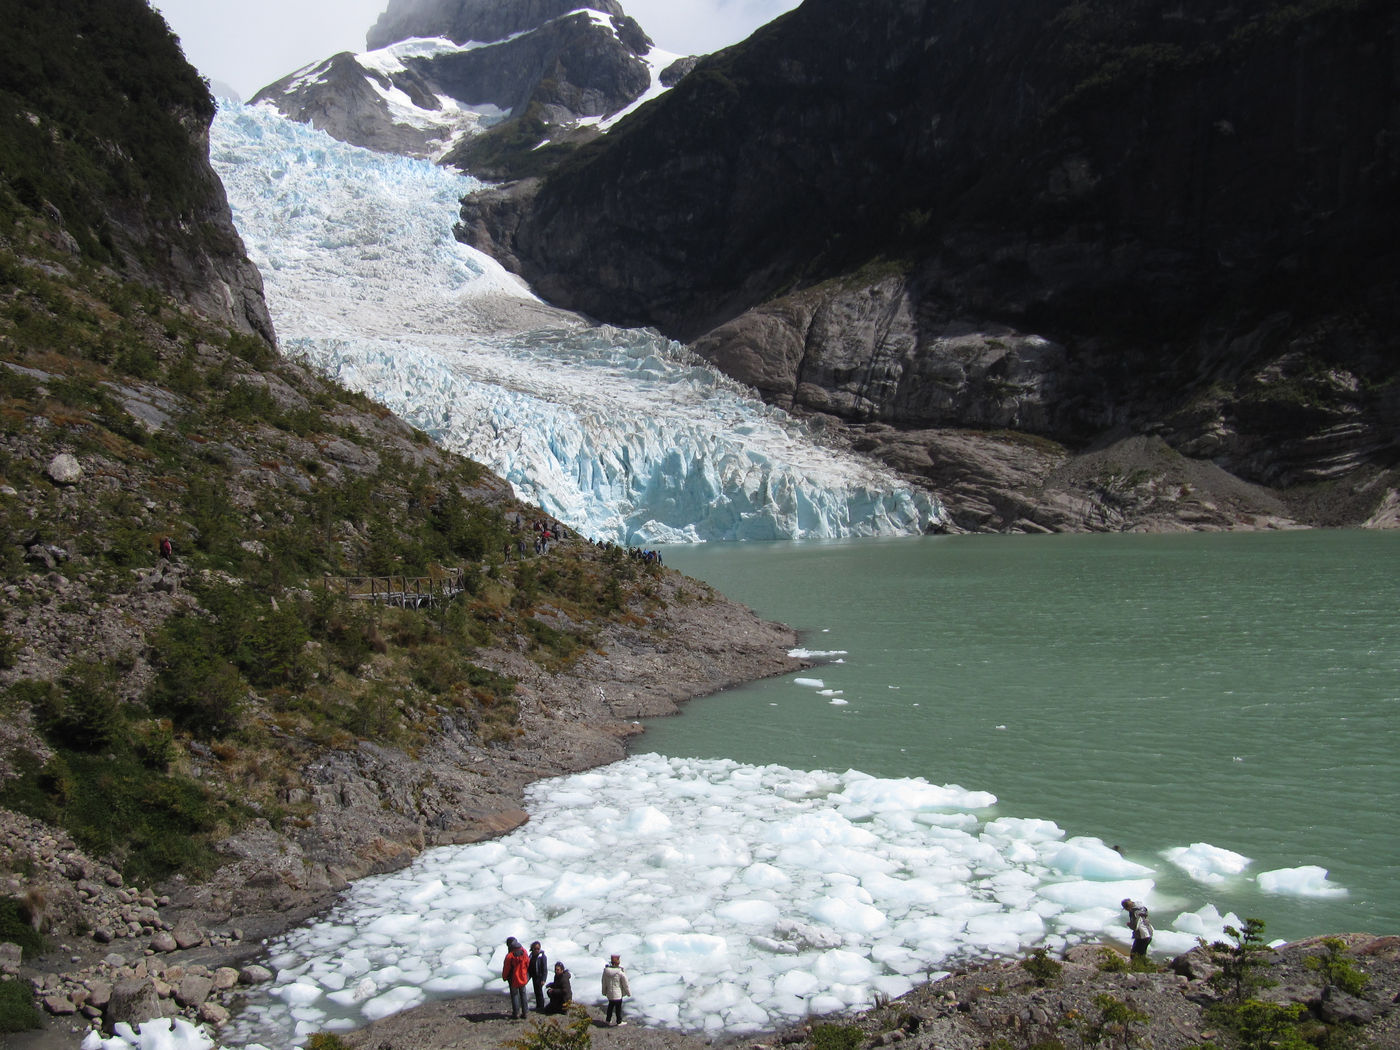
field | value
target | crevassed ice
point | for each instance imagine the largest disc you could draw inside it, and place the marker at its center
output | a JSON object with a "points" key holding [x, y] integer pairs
{"points": [[622, 434], [741, 898]]}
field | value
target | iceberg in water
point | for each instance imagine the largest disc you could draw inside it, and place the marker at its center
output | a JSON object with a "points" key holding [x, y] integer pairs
{"points": [[623, 434]]}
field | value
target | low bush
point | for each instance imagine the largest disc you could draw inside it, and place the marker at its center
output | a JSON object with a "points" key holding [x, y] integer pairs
{"points": [[17, 1010]]}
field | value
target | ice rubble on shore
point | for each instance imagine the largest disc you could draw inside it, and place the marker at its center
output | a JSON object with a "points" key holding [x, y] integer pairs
{"points": [[740, 897]]}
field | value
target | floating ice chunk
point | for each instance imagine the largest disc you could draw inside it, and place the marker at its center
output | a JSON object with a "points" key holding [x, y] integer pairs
{"points": [[849, 915], [1092, 859], [1206, 863], [749, 912], [814, 683], [647, 820], [1085, 893], [1025, 829], [1206, 922], [159, 1033], [1309, 880], [837, 701], [393, 1001], [878, 794], [298, 994]]}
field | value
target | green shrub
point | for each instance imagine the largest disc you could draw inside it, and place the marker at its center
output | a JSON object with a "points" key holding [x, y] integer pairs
{"points": [[82, 712], [17, 1010], [1044, 969], [17, 927], [575, 1034], [1336, 969], [836, 1037], [1116, 1022], [196, 687]]}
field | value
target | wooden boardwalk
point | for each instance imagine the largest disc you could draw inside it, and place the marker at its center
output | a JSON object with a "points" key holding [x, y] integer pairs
{"points": [[409, 592]]}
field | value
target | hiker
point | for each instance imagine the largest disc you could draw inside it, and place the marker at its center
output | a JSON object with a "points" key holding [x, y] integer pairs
{"points": [[167, 549], [516, 973], [561, 991], [614, 988], [1139, 924], [539, 971]]}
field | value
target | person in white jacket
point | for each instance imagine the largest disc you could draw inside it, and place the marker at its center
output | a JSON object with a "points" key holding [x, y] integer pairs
{"points": [[614, 988]]}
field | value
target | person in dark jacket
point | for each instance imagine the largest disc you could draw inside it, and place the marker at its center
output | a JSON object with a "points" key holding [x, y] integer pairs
{"points": [[561, 990], [516, 973], [539, 972]]}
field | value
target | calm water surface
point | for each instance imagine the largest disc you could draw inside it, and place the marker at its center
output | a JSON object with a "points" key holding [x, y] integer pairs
{"points": [[1153, 691]]}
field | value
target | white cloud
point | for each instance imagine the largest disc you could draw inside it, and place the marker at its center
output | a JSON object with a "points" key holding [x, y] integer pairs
{"points": [[248, 44]]}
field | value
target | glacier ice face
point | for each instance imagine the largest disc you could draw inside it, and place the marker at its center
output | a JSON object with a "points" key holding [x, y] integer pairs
{"points": [[622, 434]]}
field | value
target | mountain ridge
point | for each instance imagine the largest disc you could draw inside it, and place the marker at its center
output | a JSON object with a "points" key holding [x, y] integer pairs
{"points": [[501, 89]]}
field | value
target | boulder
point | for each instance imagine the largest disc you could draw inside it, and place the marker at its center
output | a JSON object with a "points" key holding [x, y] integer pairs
{"points": [[212, 1013], [64, 469], [187, 934], [133, 1000], [254, 974], [193, 990]]}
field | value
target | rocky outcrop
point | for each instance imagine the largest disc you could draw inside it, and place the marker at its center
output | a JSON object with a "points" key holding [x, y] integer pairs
{"points": [[112, 156], [1066, 219], [531, 71], [464, 20]]}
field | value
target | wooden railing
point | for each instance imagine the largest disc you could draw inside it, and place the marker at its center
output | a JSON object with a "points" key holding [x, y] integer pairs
{"points": [[410, 592]]}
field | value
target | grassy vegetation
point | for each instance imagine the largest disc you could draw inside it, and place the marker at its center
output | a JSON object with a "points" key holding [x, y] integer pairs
{"points": [[259, 663], [17, 1010], [96, 106]]}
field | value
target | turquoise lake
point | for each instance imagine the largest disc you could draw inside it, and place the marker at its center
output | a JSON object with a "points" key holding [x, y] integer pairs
{"points": [[1154, 691]]}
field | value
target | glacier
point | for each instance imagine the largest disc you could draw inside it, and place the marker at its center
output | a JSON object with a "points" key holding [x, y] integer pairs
{"points": [[622, 434]]}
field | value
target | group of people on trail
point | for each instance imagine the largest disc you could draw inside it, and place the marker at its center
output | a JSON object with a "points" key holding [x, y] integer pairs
{"points": [[521, 971]]}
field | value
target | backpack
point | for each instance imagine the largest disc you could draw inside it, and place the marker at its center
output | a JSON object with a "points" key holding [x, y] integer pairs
{"points": [[1142, 928]]}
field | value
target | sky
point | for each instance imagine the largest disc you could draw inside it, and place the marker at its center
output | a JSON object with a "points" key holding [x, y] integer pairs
{"points": [[247, 44]]}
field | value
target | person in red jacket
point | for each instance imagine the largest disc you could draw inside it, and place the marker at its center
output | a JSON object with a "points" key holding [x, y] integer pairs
{"points": [[516, 973]]}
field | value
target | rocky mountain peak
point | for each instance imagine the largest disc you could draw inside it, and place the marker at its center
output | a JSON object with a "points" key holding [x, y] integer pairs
{"points": [[483, 21]]}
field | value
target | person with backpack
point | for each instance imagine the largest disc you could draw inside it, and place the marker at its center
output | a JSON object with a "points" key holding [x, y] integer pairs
{"points": [[614, 988], [516, 973], [539, 972], [1140, 926]]}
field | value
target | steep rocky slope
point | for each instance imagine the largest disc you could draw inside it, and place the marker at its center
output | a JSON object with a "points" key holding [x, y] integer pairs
{"points": [[1078, 221]]}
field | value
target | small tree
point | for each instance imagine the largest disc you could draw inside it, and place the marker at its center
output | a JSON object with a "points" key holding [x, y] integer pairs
{"points": [[1240, 961], [1116, 1021]]}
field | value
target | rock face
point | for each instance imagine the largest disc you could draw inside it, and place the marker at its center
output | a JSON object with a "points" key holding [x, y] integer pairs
{"points": [[120, 170], [464, 20], [531, 68], [1069, 219]]}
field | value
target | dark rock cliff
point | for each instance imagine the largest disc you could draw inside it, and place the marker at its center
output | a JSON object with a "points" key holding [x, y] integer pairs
{"points": [[1075, 219], [464, 20], [113, 150]]}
